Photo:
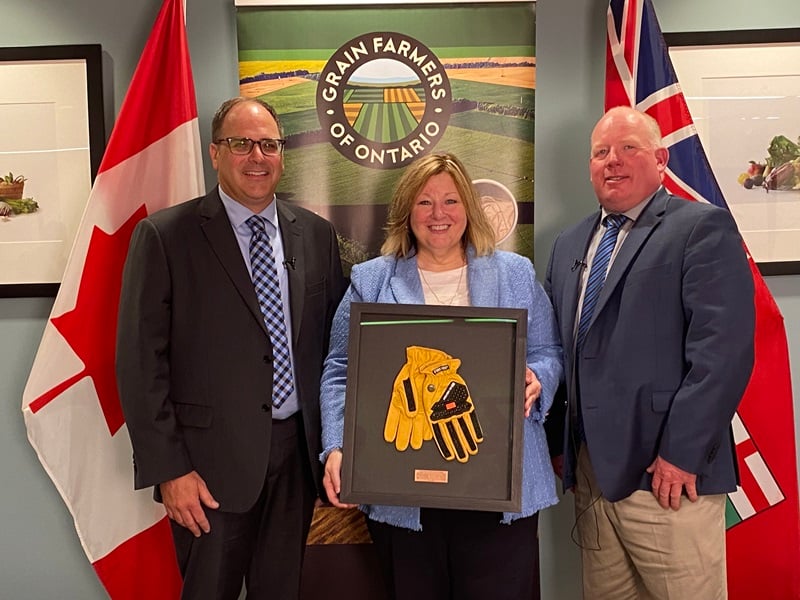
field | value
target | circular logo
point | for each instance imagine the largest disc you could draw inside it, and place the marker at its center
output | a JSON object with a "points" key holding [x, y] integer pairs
{"points": [[499, 205], [383, 99]]}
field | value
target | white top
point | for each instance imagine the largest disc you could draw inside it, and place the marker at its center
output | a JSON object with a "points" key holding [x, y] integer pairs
{"points": [[445, 288]]}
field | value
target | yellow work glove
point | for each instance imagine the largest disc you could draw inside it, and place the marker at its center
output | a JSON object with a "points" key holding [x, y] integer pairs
{"points": [[449, 409], [406, 422]]}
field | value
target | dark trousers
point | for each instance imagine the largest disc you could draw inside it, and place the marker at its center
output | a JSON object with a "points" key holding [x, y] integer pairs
{"points": [[460, 555], [262, 547]]}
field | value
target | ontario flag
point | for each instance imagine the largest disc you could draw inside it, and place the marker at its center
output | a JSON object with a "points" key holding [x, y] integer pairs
{"points": [[763, 536], [70, 403]]}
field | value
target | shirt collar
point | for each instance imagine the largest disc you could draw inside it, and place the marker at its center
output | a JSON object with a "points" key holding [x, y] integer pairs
{"points": [[238, 213], [631, 213]]}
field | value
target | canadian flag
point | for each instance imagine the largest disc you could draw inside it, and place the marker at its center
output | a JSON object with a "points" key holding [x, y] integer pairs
{"points": [[70, 403]]}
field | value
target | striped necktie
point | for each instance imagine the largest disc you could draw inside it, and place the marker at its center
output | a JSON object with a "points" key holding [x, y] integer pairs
{"points": [[597, 275]]}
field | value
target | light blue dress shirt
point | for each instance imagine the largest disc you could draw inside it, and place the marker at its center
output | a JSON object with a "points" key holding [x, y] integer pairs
{"points": [[237, 215]]}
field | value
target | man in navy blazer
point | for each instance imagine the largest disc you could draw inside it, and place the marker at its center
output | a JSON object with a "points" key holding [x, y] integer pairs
{"points": [[652, 388], [237, 475]]}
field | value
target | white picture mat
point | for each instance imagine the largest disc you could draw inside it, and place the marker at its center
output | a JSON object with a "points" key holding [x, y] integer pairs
{"points": [[45, 123], [740, 97]]}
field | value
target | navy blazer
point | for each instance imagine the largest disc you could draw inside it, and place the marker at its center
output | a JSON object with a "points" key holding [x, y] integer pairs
{"points": [[669, 350], [194, 358]]}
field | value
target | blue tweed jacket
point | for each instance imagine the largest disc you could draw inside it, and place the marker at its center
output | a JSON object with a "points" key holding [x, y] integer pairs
{"points": [[502, 279]]}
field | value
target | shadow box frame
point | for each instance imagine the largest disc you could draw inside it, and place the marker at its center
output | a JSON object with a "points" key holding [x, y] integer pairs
{"points": [[28, 63], [729, 57], [491, 345]]}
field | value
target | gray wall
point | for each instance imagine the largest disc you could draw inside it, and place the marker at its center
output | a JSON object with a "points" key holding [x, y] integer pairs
{"points": [[40, 556]]}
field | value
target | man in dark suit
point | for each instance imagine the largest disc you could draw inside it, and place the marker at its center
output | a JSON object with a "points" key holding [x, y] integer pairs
{"points": [[219, 381], [656, 316]]}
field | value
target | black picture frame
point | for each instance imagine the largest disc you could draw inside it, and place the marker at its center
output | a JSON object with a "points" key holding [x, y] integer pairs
{"points": [[779, 37], [491, 345], [91, 57]]}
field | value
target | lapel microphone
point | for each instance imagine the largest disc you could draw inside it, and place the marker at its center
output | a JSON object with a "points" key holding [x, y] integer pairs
{"points": [[290, 262], [578, 263]]}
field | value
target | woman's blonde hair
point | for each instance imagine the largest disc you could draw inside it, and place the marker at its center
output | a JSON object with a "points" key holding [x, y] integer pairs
{"points": [[400, 240]]}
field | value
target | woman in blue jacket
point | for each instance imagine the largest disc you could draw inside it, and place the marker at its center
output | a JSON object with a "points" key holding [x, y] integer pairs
{"points": [[440, 249]]}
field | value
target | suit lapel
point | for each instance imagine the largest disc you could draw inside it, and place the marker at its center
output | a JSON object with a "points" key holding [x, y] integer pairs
{"points": [[482, 281], [293, 249], [405, 282], [217, 229], [648, 220]]}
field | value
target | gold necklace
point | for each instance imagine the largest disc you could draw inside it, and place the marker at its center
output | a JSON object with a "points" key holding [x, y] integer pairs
{"points": [[435, 295]]}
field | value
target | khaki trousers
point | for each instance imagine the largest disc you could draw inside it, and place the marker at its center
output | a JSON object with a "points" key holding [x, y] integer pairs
{"points": [[634, 549]]}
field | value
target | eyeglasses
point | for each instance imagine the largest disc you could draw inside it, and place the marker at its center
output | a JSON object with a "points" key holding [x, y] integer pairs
{"points": [[243, 145]]}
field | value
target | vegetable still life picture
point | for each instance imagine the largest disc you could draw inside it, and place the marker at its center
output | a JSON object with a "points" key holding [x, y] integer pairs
{"points": [[780, 170], [13, 201]]}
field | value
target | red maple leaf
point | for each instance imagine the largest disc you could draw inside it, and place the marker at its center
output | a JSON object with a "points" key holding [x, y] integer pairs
{"points": [[91, 327]]}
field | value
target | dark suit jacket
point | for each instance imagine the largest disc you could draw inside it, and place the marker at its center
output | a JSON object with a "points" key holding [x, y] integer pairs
{"points": [[669, 351], [194, 358]]}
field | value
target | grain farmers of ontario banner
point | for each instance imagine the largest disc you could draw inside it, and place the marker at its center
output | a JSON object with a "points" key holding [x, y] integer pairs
{"points": [[364, 90]]}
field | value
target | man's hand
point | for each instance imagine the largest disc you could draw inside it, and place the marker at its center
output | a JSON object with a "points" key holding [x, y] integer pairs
{"points": [[332, 480], [533, 389], [184, 498], [668, 483], [558, 465]]}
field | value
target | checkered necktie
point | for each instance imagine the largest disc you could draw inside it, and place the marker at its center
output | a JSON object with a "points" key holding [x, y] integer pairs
{"points": [[597, 275], [268, 290]]}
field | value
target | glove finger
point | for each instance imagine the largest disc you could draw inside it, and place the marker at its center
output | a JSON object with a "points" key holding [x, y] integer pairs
{"points": [[418, 432], [457, 442], [427, 432], [404, 429], [450, 444], [392, 422], [476, 425], [470, 426], [466, 435], [443, 441]]}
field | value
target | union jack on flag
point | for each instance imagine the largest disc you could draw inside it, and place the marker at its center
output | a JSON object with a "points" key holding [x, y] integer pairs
{"points": [[763, 538]]}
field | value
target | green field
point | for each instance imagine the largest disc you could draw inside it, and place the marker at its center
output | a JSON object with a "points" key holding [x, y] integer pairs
{"points": [[490, 92], [385, 122], [317, 171], [511, 127], [297, 107]]}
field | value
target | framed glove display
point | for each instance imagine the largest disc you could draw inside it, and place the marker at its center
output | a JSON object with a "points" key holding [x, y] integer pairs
{"points": [[434, 406]]}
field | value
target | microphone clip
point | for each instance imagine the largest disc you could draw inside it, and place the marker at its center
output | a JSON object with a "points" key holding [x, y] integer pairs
{"points": [[578, 263]]}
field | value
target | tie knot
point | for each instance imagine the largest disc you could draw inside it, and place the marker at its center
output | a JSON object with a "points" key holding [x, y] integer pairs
{"points": [[615, 221], [256, 225]]}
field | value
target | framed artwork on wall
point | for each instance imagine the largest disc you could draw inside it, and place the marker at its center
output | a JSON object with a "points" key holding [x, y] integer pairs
{"points": [[51, 115], [743, 90]]}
